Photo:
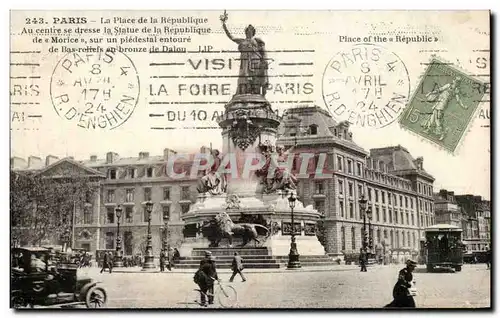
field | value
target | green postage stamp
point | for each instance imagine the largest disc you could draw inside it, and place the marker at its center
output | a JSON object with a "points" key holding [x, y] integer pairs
{"points": [[443, 105]]}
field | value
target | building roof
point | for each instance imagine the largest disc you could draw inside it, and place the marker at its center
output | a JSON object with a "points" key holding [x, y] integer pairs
{"points": [[399, 159]]}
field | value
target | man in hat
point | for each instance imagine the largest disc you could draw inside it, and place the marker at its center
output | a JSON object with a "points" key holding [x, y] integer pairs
{"points": [[207, 274], [401, 292], [163, 258], [237, 267], [363, 259]]}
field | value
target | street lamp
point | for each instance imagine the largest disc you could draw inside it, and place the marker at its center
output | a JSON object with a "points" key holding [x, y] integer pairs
{"points": [[369, 213], [149, 257], [165, 232], [118, 261], [362, 206], [293, 256]]}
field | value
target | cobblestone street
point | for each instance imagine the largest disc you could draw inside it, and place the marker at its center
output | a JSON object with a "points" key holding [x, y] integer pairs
{"points": [[341, 286]]}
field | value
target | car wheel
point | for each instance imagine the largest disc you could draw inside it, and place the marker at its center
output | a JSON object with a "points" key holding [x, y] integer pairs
{"points": [[96, 297], [458, 268]]}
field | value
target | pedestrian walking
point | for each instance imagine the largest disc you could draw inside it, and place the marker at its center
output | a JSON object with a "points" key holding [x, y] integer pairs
{"points": [[163, 258], [106, 262], [363, 259], [488, 258], [170, 258], [401, 291], [205, 277], [237, 267]]}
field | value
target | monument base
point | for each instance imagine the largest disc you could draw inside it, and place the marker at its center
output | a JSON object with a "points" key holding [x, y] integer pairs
{"points": [[306, 245]]}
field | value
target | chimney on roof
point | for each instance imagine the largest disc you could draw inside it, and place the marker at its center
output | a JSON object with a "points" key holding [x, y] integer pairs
{"points": [[111, 157], [93, 158], [419, 162], [167, 153], [34, 162], [17, 163], [143, 155], [50, 159]]}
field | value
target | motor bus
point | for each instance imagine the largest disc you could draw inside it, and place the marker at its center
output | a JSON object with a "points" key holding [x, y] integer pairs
{"points": [[444, 247]]}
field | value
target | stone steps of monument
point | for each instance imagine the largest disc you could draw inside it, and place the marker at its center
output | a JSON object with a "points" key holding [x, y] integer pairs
{"points": [[229, 261], [229, 251], [228, 265]]}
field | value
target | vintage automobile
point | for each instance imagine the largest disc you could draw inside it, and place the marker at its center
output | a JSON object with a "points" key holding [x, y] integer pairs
{"points": [[444, 247], [37, 279]]}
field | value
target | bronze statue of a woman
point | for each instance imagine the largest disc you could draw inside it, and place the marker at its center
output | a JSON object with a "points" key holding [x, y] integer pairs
{"points": [[253, 61]]}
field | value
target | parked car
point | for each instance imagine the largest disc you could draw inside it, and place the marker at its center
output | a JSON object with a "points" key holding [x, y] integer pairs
{"points": [[38, 280]]}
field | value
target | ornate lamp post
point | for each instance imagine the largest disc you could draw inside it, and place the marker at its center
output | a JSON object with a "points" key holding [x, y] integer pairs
{"points": [[165, 232], [370, 230], [362, 207], [293, 256], [149, 257], [118, 261]]}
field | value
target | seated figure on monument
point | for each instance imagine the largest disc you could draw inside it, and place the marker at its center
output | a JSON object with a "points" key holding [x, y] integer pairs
{"points": [[213, 182], [282, 178], [253, 77]]}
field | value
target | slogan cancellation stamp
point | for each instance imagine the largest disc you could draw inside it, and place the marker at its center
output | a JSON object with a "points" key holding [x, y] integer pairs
{"points": [[443, 105]]}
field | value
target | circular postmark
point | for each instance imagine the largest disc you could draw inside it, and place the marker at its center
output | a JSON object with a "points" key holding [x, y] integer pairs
{"points": [[367, 86], [95, 90]]}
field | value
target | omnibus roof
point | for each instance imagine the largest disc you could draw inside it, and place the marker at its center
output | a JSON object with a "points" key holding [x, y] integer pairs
{"points": [[443, 227]]}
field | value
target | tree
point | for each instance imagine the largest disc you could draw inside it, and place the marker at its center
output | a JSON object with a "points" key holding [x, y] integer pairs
{"points": [[42, 208]]}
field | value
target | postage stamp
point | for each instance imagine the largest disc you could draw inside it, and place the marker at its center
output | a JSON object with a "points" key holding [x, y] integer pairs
{"points": [[443, 105], [97, 90], [368, 86]]}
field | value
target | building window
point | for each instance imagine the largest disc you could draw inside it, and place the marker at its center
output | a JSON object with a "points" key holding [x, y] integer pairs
{"points": [[385, 234], [313, 129], [392, 239], [403, 236], [349, 166], [319, 205], [110, 215], [351, 210], [341, 187], [411, 203], [396, 216], [376, 195], [401, 201], [395, 200], [166, 212], [396, 245], [412, 219], [390, 216], [377, 214], [359, 168], [369, 194], [87, 214], [166, 193], [112, 174], [110, 197], [185, 193], [406, 202], [340, 159], [389, 198], [414, 240], [319, 187], [342, 237], [129, 214], [129, 195], [131, 173], [185, 208], [421, 220], [382, 194], [341, 208], [384, 216], [353, 238], [127, 242], [110, 241], [149, 172], [407, 218], [360, 190], [378, 236], [419, 189], [408, 239], [351, 189], [147, 194]]}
